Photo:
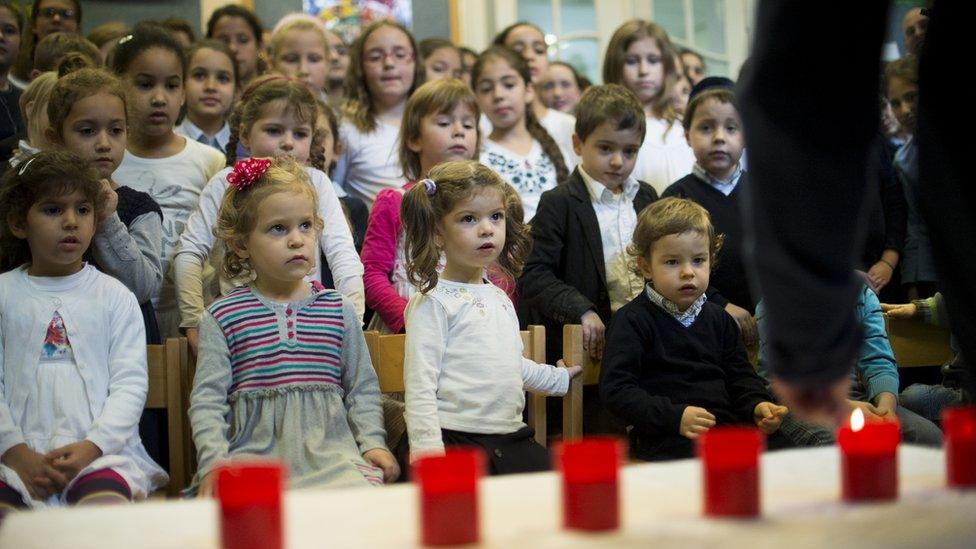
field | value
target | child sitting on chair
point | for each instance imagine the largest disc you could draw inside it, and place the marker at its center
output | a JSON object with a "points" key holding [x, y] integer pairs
{"points": [[674, 364]]}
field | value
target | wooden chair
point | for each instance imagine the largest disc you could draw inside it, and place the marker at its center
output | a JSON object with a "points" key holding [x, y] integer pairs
{"points": [[918, 344], [387, 354], [575, 355], [169, 390]]}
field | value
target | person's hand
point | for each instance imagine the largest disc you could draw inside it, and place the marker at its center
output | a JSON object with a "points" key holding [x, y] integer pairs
{"points": [[880, 275], [38, 476], [824, 404], [768, 416], [870, 411], [593, 330], [70, 459], [205, 489], [382, 458], [192, 339], [887, 405], [573, 371], [904, 311], [695, 421], [746, 322], [110, 200]]}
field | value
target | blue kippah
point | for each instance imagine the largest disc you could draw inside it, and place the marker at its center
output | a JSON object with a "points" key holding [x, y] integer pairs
{"points": [[709, 83]]}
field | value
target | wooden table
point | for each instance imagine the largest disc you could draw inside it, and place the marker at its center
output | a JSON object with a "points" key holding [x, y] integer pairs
{"points": [[661, 508]]}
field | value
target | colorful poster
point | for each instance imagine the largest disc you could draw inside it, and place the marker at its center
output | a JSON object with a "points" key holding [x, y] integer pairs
{"points": [[347, 17]]}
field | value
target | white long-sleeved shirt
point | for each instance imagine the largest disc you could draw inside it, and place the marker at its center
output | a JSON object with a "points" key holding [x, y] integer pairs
{"points": [[371, 162], [665, 155], [198, 240], [464, 368]]}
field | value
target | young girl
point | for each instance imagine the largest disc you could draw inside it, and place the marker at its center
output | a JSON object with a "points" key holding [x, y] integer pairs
{"points": [[441, 59], [518, 147], [464, 373], [338, 66], [33, 105], [440, 124], [529, 41], [561, 88], [383, 73], [276, 117], [87, 117], [73, 348], [11, 23], [327, 126], [283, 368], [170, 167], [240, 29], [300, 49], [211, 83], [640, 57]]}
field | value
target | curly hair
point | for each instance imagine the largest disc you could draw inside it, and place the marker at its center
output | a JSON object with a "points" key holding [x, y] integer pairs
{"points": [[43, 175], [238, 214], [422, 212], [666, 217]]}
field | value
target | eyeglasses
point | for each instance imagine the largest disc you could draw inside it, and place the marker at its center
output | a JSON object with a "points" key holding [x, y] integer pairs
{"points": [[49, 13], [398, 56]]}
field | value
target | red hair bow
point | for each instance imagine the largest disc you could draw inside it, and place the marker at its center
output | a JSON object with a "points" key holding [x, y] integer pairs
{"points": [[247, 171]]}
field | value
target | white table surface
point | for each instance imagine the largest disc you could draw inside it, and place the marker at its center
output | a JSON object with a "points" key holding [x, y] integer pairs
{"points": [[661, 506]]}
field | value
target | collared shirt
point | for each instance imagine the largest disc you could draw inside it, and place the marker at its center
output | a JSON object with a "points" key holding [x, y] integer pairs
{"points": [[725, 187], [617, 218], [686, 318], [219, 141]]}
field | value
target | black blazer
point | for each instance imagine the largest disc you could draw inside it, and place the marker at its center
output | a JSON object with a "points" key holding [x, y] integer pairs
{"points": [[565, 275]]}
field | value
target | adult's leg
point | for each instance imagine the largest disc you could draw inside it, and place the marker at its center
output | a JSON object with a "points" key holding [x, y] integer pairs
{"points": [[918, 430], [944, 197], [808, 146]]}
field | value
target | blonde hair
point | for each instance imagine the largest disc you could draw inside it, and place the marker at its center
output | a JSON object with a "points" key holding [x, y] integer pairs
{"points": [[613, 61], [439, 97], [37, 92], [358, 106], [301, 24], [671, 216], [422, 211], [238, 210]]}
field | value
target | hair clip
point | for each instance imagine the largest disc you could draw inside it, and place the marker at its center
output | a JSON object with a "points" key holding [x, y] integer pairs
{"points": [[247, 171], [124, 39], [23, 168], [429, 186]]}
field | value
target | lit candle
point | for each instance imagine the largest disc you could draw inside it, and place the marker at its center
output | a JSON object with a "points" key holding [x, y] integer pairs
{"points": [[250, 504], [449, 496], [959, 425], [730, 467], [589, 469], [869, 458]]}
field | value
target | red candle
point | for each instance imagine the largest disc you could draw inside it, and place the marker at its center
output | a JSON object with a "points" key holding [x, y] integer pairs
{"points": [[959, 425], [730, 466], [589, 468], [449, 496], [869, 459], [250, 504]]}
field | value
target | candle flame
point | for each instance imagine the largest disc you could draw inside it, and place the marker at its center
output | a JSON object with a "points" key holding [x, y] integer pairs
{"points": [[857, 420]]}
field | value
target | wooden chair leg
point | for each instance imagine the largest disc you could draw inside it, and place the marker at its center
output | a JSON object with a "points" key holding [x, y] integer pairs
{"points": [[573, 401], [537, 417]]}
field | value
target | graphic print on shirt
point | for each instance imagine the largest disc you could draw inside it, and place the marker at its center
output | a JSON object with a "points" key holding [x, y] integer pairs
{"points": [[520, 173], [56, 344]]}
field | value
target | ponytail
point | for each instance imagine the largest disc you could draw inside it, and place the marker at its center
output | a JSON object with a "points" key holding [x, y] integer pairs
{"points": [[419, 229]]}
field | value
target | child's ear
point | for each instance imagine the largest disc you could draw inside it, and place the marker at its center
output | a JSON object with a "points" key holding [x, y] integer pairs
{"points": [[17, 226], [412, 144], [645, 268], [243, 138], [52, 136], [577, 145], [239, 248]]}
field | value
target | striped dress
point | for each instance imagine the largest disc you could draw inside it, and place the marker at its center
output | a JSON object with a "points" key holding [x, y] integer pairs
{"points": [[287, 380]]}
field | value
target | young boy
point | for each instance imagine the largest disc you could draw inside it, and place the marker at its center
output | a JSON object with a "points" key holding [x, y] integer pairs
{"points": [[714, 132], [675, 365], [577, 272]]}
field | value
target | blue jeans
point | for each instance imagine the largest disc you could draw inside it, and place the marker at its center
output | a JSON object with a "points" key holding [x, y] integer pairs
{"points": [[915, 429], [928, 401]]}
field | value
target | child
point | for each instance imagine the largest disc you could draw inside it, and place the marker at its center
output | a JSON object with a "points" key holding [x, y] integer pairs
{"points": [[47, 17], [529, 41], [518, 147], [300, 49], [874, 383], [441, 59], [713, 129], [275, 117], [106, 36], [640, 57], [87, 117], [338, 66], [181, 30], [283, 369], [468, 58], [211, 83], [51, 51], [561, 89], [73, 348], [169, 167], [917, 263], [578, 270], [240, 29], [463, 368], [682, 94], [440, 124], [327, 125], [11, 24], [694, 65], [674, 364], [384, 71]]}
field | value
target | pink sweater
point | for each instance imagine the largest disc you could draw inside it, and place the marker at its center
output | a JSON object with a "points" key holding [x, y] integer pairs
{"points": [[383, 232]]}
